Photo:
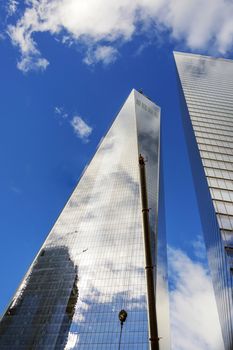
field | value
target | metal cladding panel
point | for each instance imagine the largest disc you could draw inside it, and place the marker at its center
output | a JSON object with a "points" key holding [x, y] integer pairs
{"points": [[206, 86], [92, 264]]}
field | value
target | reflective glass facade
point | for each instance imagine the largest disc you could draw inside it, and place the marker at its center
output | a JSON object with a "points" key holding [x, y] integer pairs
{"points": [[92, 264], [206, 91]]}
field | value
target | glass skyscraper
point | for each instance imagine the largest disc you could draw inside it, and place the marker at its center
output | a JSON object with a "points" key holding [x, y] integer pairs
{"points": [[206, 92], [93, 263]]}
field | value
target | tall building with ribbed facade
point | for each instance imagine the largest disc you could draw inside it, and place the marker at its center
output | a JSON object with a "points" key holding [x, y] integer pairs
{"points": [[206, 93], [105, 256]]}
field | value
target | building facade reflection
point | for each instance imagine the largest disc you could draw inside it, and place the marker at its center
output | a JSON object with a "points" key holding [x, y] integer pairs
{"points": [[92, 264], [206, 92]]}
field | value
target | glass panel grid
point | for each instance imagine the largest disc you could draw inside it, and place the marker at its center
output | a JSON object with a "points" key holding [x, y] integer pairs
{"points": [[207, 85], [92, 264]]}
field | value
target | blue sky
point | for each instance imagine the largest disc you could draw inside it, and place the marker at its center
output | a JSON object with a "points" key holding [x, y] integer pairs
{"points": [[66, 68]]}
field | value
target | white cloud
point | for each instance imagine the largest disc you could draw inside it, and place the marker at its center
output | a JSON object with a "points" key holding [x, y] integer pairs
{"points": [[81, 129], [194, 319], [199, 248], [100, 24], [2, 36], [61, 112], [104, 54], [28, 63], [201, 23], [11, 7], [58, 110]]}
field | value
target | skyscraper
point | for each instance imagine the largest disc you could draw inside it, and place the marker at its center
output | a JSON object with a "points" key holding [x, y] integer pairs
{"points": [[206, 91], [104, 254]]}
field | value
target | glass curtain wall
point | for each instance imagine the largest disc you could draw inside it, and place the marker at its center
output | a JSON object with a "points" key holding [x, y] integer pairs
{"points": [[92, 264], [206, 91]]}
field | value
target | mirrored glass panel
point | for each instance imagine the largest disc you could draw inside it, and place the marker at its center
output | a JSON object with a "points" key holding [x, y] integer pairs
{"points": [[92, 264], [206, 86]]}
